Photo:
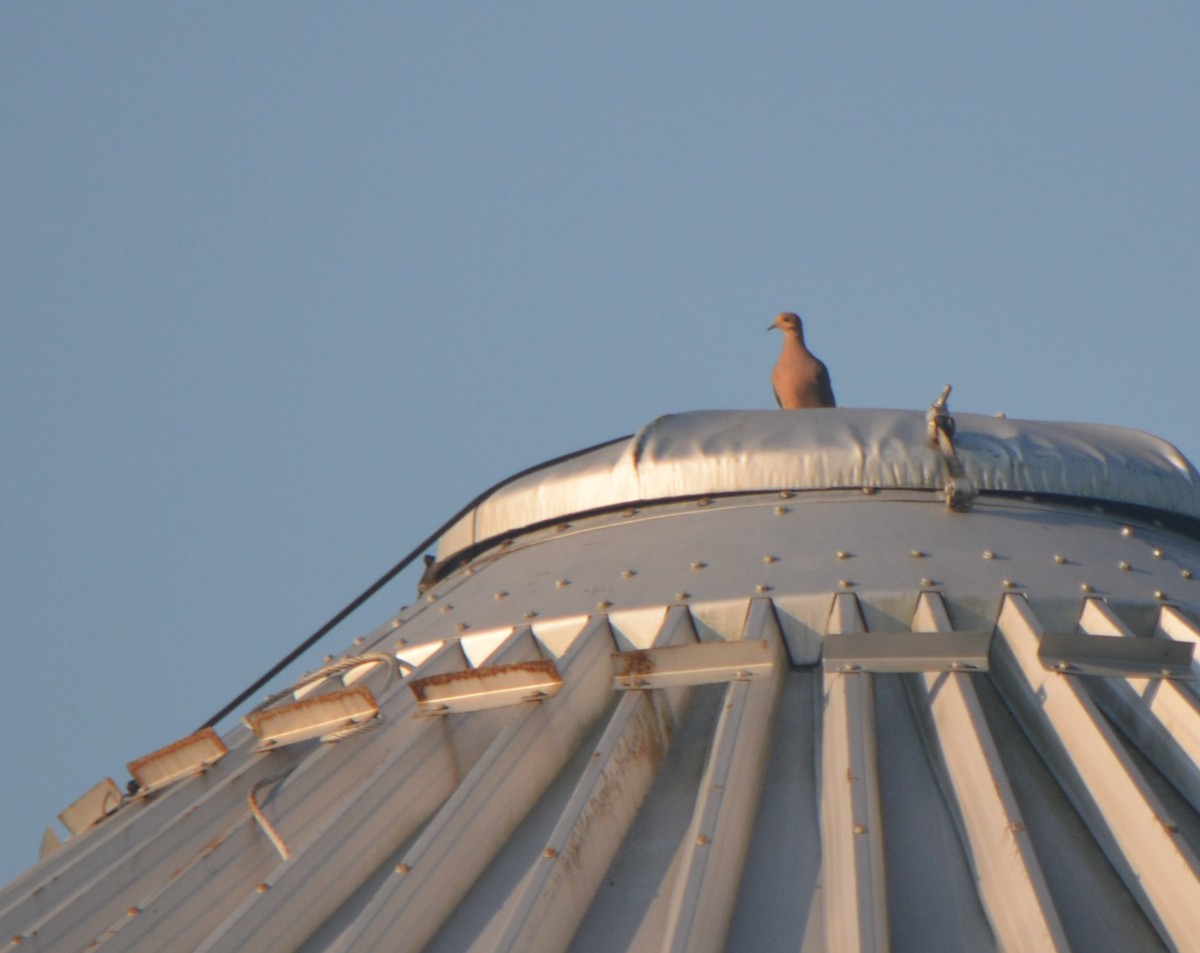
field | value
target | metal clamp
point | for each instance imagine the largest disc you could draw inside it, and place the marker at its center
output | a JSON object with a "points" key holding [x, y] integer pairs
{"points": [[960, 491]]}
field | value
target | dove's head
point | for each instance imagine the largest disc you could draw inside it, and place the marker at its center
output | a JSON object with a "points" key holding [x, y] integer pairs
{"points": [[787, 321]]}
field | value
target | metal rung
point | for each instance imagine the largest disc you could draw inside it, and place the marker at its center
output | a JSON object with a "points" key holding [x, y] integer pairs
{"points": [[697, 663], [299, 721], [180, 759], [494, 686], [1115, 656], [906, 652]]}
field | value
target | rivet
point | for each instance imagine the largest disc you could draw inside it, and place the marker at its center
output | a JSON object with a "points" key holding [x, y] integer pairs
{"points": [[781, 510], [17, 939], [529, 615], [550, 853], [1123, 565], [561, 583], [1029, 498], [869, 490], [400, 645], [860, 828], [1159, 594], [402, 868], [603, 604], [628, 573], [1185, 573], [1060, 559], [1062, 667], [704, 501], [988, 554], [469, 571], [916, 554], [1086, 586], [431, 597], [785, 494], [396, 623], [505, 543], [1126, 530], [842, 554], [699, 565], [327, 659], [762, 587], [262, 888], [1009, 584], [682, 596], [768, 559], [629, 512], [927, 582], [845, 583], [361, 640], [1158, 554], [500, 595], [1016, 826], [701, 839], [461, 627], [132, 911], [446, 608], [562, 526]]}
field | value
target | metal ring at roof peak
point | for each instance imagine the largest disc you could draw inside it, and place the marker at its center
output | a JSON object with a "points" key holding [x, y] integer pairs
{"points": [[701, 452]]}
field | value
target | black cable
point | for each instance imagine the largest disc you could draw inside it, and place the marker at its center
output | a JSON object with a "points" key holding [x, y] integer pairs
{"points": [[391, 574]]}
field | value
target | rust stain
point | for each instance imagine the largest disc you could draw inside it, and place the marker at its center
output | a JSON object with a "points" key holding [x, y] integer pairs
{"points": [[635, 663]]}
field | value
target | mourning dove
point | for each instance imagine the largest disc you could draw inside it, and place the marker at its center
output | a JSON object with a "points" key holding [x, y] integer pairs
{"points": [[799, 378]]}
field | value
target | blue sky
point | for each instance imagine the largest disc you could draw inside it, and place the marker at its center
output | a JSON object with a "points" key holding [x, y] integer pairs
{"points": [[284, 285]]}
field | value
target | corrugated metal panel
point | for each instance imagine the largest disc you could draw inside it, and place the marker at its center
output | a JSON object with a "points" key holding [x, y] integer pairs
{"points": [[654, 752]]}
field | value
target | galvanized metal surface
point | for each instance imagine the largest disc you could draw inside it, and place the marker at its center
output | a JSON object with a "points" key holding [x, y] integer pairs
{"points": [[698, 773], [745, 451]]}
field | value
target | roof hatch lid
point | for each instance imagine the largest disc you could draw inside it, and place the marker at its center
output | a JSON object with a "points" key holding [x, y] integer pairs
{"points": [[703, 452]]}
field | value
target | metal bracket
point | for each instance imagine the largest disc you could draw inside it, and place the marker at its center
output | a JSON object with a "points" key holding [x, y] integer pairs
{"points": [[495, 686], [1116, 656], [697, 663], [906, 652], [960, 491], [182, 759]]}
